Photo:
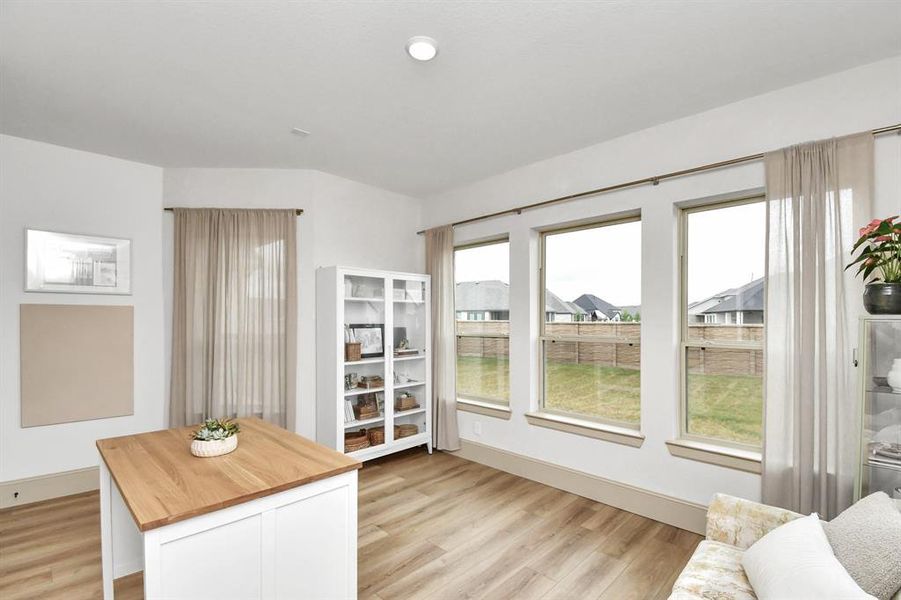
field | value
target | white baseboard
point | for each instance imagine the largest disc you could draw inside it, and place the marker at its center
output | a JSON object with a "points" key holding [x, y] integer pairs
{"points": [[666, 509], [127, 568], [45, 487]]}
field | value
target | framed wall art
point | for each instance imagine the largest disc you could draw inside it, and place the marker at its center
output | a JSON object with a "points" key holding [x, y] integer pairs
{"points": [[76, 264]]}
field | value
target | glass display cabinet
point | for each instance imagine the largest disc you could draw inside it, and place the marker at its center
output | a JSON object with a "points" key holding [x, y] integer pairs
{"points": [[373, 360], [880, 383]]}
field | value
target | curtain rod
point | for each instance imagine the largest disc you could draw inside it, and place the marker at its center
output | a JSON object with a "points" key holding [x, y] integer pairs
{"points": [[297, 211], [656, 179]]}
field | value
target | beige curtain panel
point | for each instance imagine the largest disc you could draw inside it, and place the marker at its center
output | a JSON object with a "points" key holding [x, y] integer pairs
{"points": [[234, 320], [817, 194], [439, 258]]}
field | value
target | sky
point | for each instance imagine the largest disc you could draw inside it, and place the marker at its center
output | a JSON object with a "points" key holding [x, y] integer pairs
{"points": [[726, 249]]}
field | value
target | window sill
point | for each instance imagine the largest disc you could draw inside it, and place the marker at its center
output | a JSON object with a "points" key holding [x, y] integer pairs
{"points": [[732, 458], [600, 431], [489, 409]]}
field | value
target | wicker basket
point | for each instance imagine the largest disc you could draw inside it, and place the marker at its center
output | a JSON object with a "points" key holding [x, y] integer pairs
{"points": [[366, 410], [356, 440], [376, 436], [353, 351], [405, 430], [371, 383], [408, 403]]}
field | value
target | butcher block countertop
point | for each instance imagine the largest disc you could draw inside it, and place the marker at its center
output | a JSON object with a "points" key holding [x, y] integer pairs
{"points": [[163, 483]]}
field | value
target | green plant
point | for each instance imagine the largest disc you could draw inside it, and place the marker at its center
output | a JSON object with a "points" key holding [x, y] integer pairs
{"points": [[879, 248], [216, 429]]}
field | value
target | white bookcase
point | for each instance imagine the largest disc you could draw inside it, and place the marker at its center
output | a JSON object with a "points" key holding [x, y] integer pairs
{"points": [[394, 306]]}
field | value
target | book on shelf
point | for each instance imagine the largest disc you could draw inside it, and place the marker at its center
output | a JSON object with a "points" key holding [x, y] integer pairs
{"points": [[349, 411]]}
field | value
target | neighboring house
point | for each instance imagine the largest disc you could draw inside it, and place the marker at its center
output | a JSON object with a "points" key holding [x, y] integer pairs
{"points": [[737, 306], [557, 310], [482, 301], [597, 309], [490, 301]]}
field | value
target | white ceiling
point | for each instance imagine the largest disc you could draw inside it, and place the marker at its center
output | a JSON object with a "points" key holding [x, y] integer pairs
{"points": [[221, 84]]}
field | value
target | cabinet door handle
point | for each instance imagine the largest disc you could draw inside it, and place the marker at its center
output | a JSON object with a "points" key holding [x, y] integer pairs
{"points": [[854, 357]]}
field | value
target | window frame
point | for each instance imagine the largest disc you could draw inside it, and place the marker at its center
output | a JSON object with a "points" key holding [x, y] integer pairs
{"points": [[544, 338], [490, 405], [685, 343]]}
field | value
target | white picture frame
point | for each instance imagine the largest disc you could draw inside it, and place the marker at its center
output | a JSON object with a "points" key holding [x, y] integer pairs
{"points": [[76, 264]]}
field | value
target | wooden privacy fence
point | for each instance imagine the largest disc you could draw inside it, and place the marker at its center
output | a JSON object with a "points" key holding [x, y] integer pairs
{"points": [[625, 354]]}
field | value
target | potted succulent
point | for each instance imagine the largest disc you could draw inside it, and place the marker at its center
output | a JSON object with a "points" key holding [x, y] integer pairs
{"points": [[879, 255], [215, 438]]}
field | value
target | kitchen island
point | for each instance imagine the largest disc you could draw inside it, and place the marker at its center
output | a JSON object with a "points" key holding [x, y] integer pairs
{"points": [[276, 518]]}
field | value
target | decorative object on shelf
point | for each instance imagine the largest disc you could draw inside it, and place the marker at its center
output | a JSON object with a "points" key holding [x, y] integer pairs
{"points": [[355, 440], [215, 438], [77, 264], [367, 407], [400, 378], [370, 336], [349, 416], [353, 351], [405, 430], [351, 381], [352, 348], [894, 376], [879, 254], [889, 451], [376, 436], [371, 381], [405, 401]]}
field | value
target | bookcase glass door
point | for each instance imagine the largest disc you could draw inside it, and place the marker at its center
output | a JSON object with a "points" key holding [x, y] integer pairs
{"points": [[365, 344], [409, 360], [881, 408]]}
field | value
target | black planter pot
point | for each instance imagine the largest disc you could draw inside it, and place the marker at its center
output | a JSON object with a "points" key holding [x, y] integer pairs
{"points": [[882, 298]]}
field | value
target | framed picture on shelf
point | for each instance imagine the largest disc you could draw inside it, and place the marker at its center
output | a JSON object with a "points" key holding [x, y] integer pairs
{"points": [[371, 337], [77, 264]]}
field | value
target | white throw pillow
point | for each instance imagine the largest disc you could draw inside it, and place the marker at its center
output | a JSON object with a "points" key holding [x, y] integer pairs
{"points": [[795, 562]]}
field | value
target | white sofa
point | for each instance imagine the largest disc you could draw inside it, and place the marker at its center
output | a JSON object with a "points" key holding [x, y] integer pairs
{"points": [[714, 571]]}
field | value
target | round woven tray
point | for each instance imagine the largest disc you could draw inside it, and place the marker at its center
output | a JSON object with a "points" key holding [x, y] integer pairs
{"points": [[405, 430], [376, 436], [356, 440]]}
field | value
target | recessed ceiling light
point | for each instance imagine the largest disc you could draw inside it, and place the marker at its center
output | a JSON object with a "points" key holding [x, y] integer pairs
{"points": [[422, 47], [299, 131]]}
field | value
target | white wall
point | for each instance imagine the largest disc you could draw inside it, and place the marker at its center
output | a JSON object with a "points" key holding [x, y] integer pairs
{"points": [[49, 187], [344, 223], [856, 100]]}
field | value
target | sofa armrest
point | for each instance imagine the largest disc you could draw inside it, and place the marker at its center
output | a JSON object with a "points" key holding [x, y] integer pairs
{"points": [[740, 522]]}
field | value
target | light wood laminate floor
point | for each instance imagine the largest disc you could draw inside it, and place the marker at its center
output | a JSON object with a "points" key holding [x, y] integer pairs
{"points": [[430, 527]]}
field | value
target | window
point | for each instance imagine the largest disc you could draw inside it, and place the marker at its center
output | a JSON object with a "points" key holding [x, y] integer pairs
{"points": [[482, 297], [723, 257], [591, 322]]}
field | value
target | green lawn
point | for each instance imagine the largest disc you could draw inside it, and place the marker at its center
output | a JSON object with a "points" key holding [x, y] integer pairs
{"points": [[721, 406]]}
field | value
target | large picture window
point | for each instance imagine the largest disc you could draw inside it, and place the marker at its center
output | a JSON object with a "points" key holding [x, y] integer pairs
{"points": [[723, 258], [482, 307], [591, 322]]}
